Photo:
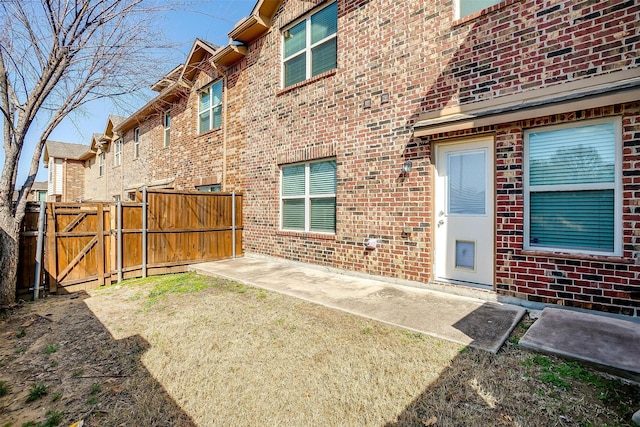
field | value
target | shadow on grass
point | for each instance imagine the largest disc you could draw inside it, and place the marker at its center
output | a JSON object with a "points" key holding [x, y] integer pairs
{"points": [[90, 376], [518, 388]]}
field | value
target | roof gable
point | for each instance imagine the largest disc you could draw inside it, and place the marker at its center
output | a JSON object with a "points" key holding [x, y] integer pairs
{"points": [[200, 51], [65, 150]]}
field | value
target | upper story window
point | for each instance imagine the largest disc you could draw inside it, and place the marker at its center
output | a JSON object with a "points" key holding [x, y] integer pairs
{"points": [[310, 46], [101, 164], [467, 7], [210, 108], [117, 153], [136, 143], [166, 123], [573, 198]]}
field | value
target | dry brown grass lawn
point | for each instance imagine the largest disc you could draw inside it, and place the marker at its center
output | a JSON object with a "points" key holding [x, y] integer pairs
{"points": [[185, 350]]}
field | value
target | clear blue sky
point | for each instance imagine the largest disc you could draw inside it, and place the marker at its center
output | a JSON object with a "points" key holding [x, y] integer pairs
{"points": [[211, 20]]}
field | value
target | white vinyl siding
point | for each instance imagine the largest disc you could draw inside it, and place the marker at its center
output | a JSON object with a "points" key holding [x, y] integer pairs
{"points": [[51, 184], [308, 197], [310, 46], [572, 188], [210, 108]]}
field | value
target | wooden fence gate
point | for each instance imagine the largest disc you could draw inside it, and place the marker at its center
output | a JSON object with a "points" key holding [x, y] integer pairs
{"points": [[76, 245], [92, 244]]}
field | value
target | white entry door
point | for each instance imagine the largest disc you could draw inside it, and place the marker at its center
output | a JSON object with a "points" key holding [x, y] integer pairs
{"points": [[464, 212]]}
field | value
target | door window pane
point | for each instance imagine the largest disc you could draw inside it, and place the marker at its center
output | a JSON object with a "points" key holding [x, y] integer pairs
{"points": [[467, 183]]}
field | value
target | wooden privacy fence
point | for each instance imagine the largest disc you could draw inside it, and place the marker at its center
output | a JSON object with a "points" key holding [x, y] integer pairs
{"points": [[86, 245]]}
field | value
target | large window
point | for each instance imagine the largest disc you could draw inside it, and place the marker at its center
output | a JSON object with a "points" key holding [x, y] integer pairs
{"points": [[166, 123], [310, 46], [467, 7], [308, 196], [210, 108], [572, 188], [117, 153]]}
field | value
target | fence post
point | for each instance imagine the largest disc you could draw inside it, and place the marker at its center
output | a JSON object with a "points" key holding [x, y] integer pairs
{"points": [[233, 224], [40, 245], [100, 245], [52, 253], [119, 239], [144, 232]]}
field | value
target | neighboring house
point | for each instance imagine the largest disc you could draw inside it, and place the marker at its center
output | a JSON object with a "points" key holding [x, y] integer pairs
{"points": [[39, 191], [179, 139], [65, 177], [483, 144]]}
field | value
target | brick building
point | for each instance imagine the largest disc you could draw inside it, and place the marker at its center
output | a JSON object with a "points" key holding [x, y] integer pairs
{"points": [[65, 177], [434, 142], [496, 148]]}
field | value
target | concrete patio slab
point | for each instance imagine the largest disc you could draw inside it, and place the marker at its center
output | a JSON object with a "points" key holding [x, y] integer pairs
{"points": [[477, 323], [609, 343]]}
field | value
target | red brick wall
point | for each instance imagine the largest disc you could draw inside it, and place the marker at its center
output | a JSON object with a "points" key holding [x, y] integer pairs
{"points": [[424, 60], [191, 159]]}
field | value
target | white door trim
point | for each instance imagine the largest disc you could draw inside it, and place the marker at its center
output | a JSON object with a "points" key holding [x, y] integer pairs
{"points": [[457, 233]]}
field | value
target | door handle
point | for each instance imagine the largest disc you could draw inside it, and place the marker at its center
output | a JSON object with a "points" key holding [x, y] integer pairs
{"points": [[440, 222]]}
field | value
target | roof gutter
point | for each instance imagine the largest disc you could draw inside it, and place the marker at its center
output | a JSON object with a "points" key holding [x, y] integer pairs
{"points": [[609, 89]]}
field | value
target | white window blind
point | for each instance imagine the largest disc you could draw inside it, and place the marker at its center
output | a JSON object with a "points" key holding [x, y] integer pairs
{"points": [[571, 190], [308, 194]]}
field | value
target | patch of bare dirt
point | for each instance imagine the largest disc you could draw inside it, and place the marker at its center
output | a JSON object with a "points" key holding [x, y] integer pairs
{"points": [[58, 347]]}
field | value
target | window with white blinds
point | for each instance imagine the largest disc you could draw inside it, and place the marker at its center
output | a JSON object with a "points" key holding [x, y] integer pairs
{"points": [[210, 108], [310, 46], [572, 188], [308, 197]]}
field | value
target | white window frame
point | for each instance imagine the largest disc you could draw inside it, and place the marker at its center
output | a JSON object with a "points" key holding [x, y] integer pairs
{"points": [[458, 8], [166, 125], [209, 188], [212, 106], [616, 186], [117, 152], [307, 49], [307, 198], [136, 143], [101, 164]]}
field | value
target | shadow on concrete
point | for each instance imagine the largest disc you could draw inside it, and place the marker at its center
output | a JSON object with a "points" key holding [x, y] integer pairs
{"points": [[489, 326], [99, 379]]}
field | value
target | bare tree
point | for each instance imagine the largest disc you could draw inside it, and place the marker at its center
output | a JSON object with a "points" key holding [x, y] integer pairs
{"points": [[55, 57]]}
